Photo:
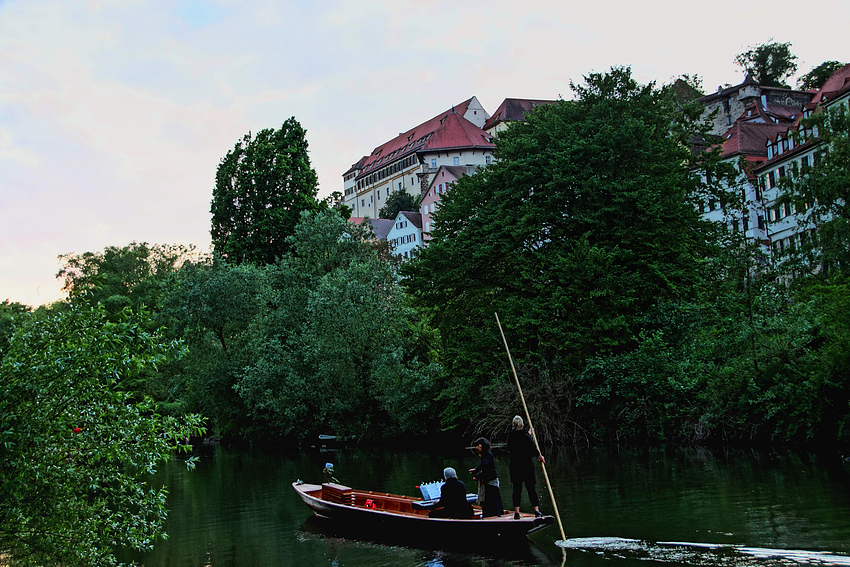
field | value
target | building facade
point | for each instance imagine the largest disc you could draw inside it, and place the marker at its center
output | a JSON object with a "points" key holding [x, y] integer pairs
{"points": [[409, 161]]}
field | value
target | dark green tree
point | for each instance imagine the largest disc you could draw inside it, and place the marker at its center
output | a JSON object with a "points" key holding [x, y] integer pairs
{"points": [[76, 453], [336, 348], [815, 78], [586, 220], [130, 276], [770, 64], [261, 187], [397, 202]]}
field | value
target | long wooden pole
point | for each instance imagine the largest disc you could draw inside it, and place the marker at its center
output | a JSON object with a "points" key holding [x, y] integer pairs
{"points": [[531, 428]]}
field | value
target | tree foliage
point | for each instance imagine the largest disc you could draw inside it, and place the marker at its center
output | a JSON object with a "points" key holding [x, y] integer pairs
{"points": [[770, 64], [130, 276], [816, 78], [586, 220], [75, 450], [262, 185], [397, 202], [320, 341]]}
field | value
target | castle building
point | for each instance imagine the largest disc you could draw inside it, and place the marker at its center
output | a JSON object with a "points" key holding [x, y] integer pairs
{"points": [[409, 161]]}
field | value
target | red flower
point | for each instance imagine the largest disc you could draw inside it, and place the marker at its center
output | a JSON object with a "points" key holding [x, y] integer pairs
{"points": [[77, 430]]}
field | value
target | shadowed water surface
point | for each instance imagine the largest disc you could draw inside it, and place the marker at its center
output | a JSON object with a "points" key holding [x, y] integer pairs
{"points": [[679, 507]]}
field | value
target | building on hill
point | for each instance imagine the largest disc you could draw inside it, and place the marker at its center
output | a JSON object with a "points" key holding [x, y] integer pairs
{"points": [[443, 180], [409, 161], [405, 234], [511, 110], [795, 147], [731, 102]]}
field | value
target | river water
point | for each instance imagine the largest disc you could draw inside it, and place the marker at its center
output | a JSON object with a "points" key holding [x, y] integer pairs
{"points": [[618, 508]]}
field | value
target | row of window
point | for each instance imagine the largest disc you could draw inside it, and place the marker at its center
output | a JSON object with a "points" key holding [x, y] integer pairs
{"points": [[386, 172], [406, 239]]}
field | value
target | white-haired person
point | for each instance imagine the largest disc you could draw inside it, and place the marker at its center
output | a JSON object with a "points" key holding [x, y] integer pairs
{"points": [[453, 503], [523, 451]]}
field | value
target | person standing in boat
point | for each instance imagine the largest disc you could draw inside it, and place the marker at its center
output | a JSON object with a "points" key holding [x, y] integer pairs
{"points": [[488, 479], [453, 503], [523, 451]]}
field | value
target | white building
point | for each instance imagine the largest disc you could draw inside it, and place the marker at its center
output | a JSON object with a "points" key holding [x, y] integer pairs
{"points": [[406, 234]]}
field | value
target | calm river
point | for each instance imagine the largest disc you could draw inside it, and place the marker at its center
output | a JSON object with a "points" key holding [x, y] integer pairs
{"points": [[619, 508]]}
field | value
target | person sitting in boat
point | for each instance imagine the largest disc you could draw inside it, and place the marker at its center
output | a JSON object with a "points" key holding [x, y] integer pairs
{"points": [[488, 479], [453, 503]]}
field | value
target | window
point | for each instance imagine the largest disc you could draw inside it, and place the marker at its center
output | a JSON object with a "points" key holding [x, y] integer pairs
{"points": [[457, 161], [787, 209], [399, 185], [433, 162], [362, 202], [379, 194], [440, 189], [771, 180], [487, 160], [781, 172]]}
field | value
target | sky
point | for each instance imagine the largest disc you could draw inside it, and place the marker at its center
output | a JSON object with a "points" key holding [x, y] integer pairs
{"points": [[115, 114]]}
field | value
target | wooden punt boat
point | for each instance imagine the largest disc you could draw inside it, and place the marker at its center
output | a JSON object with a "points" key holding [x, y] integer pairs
{"points": [[406, 517]]}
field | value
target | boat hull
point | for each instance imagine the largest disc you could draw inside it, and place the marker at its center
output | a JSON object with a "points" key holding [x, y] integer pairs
{"points": [[397, 517]]}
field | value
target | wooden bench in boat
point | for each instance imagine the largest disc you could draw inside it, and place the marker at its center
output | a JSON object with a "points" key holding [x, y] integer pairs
{"points": [[431, 495]]}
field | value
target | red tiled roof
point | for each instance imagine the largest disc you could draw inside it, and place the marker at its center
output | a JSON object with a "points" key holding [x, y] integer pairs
{"points": [[420, 137], [750, 138], [457, 132], [836, 82], [513, 109]]}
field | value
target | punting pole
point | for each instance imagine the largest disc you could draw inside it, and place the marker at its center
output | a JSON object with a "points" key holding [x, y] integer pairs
{"points": [[533, 435]]}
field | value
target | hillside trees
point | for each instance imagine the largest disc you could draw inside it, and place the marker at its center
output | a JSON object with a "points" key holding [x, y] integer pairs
{"points": [[261, 187], [585, 222], [397, 202], [75, 450], [319, 341], [770, 64], [815, 78]]}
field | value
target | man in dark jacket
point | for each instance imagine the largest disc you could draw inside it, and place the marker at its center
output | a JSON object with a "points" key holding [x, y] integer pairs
{"points": [[453, 503], [523, 452]]}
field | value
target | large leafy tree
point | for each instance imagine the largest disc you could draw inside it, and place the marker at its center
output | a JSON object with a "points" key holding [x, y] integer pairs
{"points": [[336, 348], [397, 202], [261, 187], [129, 276], [586, 221], [770, 64], [75, 451], [816, 78]]}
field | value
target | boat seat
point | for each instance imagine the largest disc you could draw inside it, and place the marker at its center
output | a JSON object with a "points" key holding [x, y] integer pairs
{"points": [[431, 495]]}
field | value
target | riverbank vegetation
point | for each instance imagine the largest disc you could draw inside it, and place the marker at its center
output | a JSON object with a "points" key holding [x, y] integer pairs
{"points": [[630, 317]]}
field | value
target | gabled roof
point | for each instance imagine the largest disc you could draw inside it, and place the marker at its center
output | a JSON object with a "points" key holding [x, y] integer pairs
{"points": [[756, 111], [457, 132], [750, 138], [514, 109], [381, 227], [836, 84], [414, 217], [356, 166], [447, 130]]}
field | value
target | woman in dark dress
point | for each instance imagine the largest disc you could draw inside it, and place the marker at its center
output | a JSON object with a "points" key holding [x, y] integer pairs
{"points": [[485, 474], [453, 502], [523, 452]]}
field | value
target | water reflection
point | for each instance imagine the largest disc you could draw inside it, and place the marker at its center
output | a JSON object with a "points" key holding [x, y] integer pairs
{"points": [[737, 508]]}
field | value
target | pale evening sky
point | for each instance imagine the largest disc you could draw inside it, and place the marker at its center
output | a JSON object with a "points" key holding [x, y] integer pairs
{"points": [[115, 114]]}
